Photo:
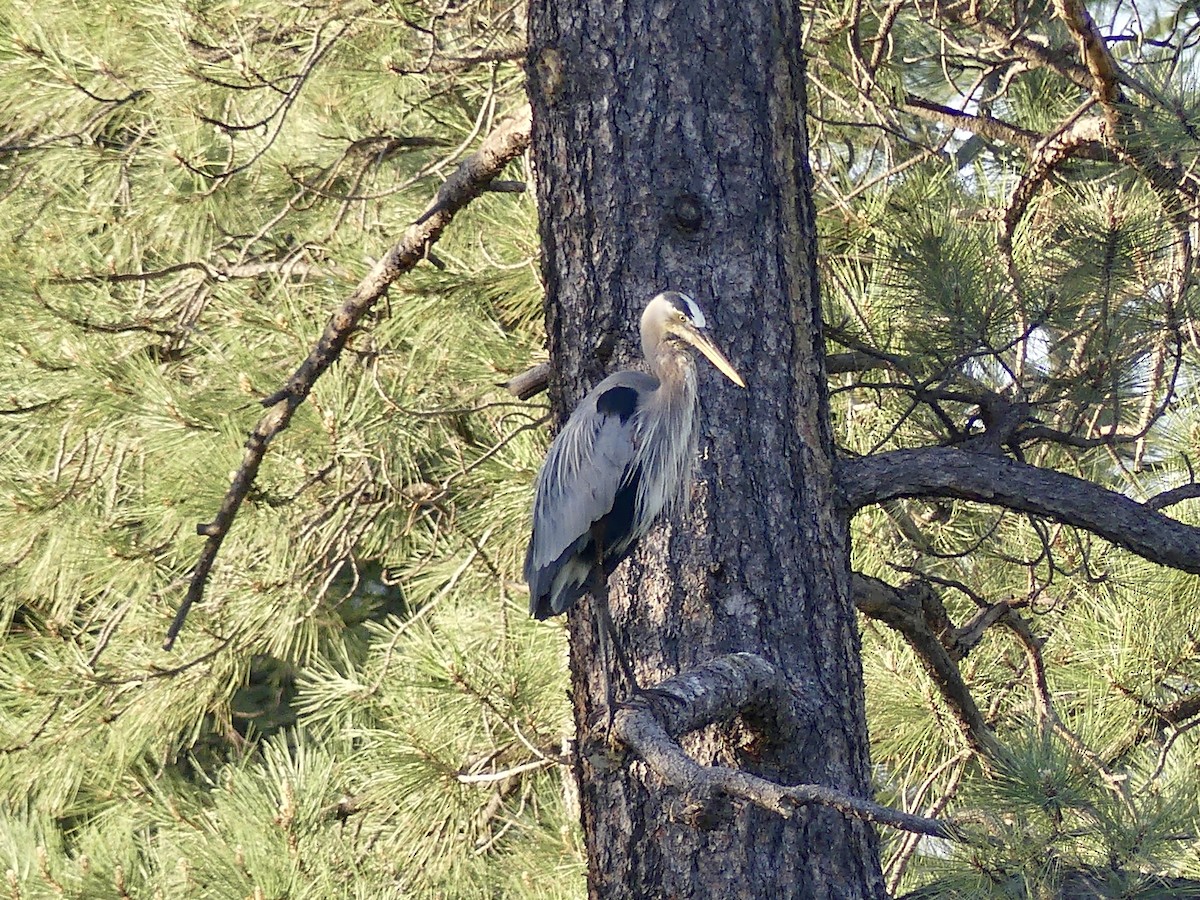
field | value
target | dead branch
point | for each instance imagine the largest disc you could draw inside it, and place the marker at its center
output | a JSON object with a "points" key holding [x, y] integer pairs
{"points": [[1018, 46], [1093, 50], [529, 383], [536, 378], [903, 609], [505, 143], [717, 691], [997, 480]]}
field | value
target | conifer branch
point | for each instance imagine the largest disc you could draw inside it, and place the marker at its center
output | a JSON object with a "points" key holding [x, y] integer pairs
{"points": [[994, 479], [985, 126], [1176, 191], [719, 690], [905, 610], [273, 122], [1155, 722], [468, 181]]}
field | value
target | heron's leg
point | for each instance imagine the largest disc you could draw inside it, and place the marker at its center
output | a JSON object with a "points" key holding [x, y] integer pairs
{"points": [[610, 646], [602, 622]]}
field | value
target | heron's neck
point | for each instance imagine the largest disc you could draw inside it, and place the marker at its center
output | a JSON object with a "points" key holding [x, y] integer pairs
{"points": [[676, 372]]}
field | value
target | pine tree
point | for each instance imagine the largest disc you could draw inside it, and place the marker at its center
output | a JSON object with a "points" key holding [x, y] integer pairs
{"points": [[188, 191], [359, 706]]}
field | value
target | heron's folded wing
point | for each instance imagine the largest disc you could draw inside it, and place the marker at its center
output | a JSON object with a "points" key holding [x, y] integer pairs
{"points": [[590, 460]]}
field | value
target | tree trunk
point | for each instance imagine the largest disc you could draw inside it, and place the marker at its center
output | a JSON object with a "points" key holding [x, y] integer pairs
{"points": [[670, 152]]}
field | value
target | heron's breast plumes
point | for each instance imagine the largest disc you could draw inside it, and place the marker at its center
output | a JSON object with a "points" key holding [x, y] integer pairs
{"points": [[668, 438]]}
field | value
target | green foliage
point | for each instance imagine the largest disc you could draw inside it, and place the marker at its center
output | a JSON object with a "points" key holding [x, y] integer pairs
{"points": [[189, 190], [986, 277]]}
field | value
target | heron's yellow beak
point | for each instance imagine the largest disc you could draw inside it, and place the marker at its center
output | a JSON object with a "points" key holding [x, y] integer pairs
{"points": [[704, 344]]}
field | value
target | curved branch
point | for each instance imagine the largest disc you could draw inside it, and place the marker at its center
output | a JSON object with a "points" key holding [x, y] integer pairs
{"points": [[942, 472], [714, 692], [1045, 156], [903, 609], [1093, 50], [469, 180]]}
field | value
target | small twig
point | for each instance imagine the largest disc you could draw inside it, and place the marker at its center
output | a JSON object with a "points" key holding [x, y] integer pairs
{"points": [[536, 378], [504, 774], [896, 867]]}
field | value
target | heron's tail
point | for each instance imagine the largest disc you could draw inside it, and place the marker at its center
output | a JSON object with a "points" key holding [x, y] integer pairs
{"points": [[555, 589]]}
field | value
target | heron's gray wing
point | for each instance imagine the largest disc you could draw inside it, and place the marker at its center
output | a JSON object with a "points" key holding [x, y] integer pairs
{"points": [[589, 462]]}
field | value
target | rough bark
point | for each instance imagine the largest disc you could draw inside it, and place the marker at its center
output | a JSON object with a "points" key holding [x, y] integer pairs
{"points": [[670, 152]]}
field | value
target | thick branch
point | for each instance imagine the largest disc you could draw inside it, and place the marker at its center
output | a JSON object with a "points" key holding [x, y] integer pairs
{"points": [[852, 361], [942, 472], [530, 383], [717, 691], [468, 181]]}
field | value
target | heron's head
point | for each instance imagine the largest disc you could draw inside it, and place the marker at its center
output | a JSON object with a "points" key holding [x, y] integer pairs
{"points": [[675, 314]]}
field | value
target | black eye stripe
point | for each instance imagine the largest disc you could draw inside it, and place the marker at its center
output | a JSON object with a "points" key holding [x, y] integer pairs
{"points": [[687, 308]]}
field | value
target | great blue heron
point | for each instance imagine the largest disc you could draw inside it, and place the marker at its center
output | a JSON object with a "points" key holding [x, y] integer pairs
{"points": [[625, 454]]}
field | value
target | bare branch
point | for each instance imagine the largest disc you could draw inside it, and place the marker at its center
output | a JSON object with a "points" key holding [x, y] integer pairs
{"points": [[985, 126], [853, 361], [904, 610], [503, 774], [505, 143], [985, 478], [717, 691], [529, 383], [1174, 495], [536, 378], [1019, 46], [1092, 48]]}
